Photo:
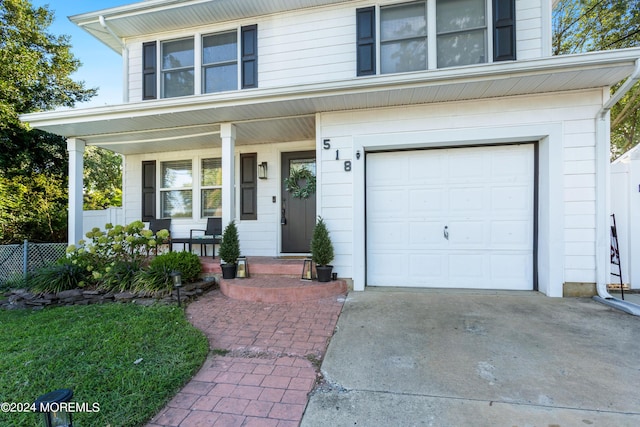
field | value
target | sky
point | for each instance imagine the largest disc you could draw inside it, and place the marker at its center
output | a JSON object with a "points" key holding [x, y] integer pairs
{"points": [[101, 67]]}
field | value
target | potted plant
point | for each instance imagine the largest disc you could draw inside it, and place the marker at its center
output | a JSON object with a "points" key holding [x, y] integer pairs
{"points": [[229, 251], [322, 251]]}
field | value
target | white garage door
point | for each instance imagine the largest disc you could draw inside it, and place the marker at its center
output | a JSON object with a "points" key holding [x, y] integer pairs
{"points": [[451, 218]]}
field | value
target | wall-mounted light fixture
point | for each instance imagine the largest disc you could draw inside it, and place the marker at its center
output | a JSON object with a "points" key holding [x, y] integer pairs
{"points": [[262, 170]]}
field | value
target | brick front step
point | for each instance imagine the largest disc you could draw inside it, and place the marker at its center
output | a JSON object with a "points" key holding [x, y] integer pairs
{"points": [[277, 289], [259, 266]]}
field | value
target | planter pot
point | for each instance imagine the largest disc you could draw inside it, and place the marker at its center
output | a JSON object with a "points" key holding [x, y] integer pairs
{"points": [[324, 272], [228, 271]]}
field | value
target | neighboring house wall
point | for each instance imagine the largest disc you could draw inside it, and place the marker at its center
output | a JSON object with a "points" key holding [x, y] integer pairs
{"points": [[319, 44], [625, 204], [567, 171]]}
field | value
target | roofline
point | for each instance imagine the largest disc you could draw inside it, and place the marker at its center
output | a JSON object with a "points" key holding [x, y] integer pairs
{"points": [[623, 57]]}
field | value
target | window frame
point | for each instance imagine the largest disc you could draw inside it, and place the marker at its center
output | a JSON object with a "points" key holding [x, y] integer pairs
{"points": [[165, 71], [204, 187], [489, 28], [163, 190], [205, 66]]}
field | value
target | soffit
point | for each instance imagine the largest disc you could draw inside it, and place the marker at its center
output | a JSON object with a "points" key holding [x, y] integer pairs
{"points": [[288, 114], [158, 16]]}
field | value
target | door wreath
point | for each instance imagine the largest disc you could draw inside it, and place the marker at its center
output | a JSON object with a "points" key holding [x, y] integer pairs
{"points": [[292, 183]]}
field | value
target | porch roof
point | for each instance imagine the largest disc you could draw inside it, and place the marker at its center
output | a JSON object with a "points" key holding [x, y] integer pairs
{"points": [[288, 113]]}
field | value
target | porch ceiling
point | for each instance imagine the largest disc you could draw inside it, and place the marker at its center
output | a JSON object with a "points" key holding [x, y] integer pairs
{"points": [[288, 113], [158, 16]]}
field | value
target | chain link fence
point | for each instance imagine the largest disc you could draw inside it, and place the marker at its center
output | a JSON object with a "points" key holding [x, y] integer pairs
{"points": [[18, 260]]}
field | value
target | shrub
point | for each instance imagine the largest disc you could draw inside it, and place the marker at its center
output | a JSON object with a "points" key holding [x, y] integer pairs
{"points": [[158, 276], [321, 246], [61, 276], [230, 245], [119, 275]]}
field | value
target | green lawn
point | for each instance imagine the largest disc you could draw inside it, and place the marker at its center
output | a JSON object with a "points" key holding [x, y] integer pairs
{"points": [[93, 350]]}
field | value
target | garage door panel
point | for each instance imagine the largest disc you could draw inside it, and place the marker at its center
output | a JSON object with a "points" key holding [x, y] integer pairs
{"points": [[513, 270], [466, 233], [511, 234], [466, 200], [464, 266], [510, 198], [483, 195], [389, 234], [427, 202], [426, 235]]}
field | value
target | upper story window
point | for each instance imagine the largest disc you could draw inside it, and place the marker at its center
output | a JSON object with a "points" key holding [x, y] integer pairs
{"points": [[403, 38], [461, 28], [433, 34], [195, 65], [220, 62], [177, 68]]}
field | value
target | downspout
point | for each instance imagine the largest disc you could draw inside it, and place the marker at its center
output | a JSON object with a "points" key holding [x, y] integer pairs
{"points": [[125, 58], [602, 193]]}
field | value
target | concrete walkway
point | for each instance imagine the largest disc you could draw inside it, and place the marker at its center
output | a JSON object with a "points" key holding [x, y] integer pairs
{"points": [[274, 351], [446, 358]]}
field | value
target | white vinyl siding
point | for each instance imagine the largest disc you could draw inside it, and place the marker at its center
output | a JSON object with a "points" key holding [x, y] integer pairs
{"points": [[318, 44], [573, 112]]}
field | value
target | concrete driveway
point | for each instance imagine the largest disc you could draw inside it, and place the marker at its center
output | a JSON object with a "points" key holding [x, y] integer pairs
{"points": [[447, 358]]}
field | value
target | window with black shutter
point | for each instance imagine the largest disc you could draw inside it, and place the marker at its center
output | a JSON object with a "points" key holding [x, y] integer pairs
{"points": [[249, 38], [504, 30], [248, 186], [148, 190], [149, 64], [366, 41]]}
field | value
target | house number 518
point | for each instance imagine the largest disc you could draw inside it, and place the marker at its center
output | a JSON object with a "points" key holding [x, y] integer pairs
{"points": [[347, 166]]}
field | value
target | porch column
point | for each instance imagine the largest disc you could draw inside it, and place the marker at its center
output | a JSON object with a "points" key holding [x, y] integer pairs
{"points": [[75, 147], [228, 135]]}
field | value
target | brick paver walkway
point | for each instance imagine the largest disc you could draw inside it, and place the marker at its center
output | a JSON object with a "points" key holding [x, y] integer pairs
{"points": [[272, 364]]}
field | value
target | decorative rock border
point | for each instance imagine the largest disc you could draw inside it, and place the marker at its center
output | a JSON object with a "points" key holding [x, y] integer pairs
{"points": [[23, 299]]}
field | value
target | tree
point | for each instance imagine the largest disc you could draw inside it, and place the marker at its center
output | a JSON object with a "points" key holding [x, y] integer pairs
{"points": [[35, 70], [102, 178], [593, 25]]}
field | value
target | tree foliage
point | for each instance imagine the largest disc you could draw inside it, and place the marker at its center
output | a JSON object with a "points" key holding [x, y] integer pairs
{"points": [[102, 178], [594, 25], [35, 70]]}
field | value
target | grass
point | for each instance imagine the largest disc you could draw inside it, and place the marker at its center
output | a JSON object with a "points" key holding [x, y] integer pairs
{"points": [[128, 358]]}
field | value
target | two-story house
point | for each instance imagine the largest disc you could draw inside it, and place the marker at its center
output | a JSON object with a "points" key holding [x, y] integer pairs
{"points": [[450, 148]]}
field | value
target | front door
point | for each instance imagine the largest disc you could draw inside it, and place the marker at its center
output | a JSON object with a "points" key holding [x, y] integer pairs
{"points": [[298, 216]]}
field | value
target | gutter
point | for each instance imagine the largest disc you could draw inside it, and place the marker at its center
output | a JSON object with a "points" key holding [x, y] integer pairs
{"points": [[603, 167], [125, 58]]}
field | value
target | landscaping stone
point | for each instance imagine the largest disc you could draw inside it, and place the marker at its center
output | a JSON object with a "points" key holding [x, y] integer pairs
{"points": [[20, 299]]}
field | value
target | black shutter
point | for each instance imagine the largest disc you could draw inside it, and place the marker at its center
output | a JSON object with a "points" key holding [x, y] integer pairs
{"points": [[504, 30], [249, 60], [148, 190], [366, 41], [248, 186], [149, 85]]}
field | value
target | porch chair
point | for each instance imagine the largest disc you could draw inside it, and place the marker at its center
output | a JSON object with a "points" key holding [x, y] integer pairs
{"points": [[212, 235], [156, 225]]}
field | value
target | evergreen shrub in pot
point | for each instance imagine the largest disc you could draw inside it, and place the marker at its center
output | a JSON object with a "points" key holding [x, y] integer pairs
{"points": [[322, 251], [229, 251]]}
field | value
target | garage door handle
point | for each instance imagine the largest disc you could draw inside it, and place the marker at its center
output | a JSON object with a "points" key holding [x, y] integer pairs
{"points": [[446, 232]]}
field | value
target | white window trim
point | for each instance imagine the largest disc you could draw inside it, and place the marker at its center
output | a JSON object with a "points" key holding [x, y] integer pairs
{"points": [[194, 201], [160, 79], [205, 187], [200, 36]]}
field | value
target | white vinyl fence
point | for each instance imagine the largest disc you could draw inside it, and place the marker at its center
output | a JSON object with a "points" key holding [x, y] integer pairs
{"points": [[99, 218]]}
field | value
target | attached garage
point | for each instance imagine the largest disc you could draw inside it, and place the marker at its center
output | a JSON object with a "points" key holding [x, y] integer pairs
{"points": [[451, 218]]}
